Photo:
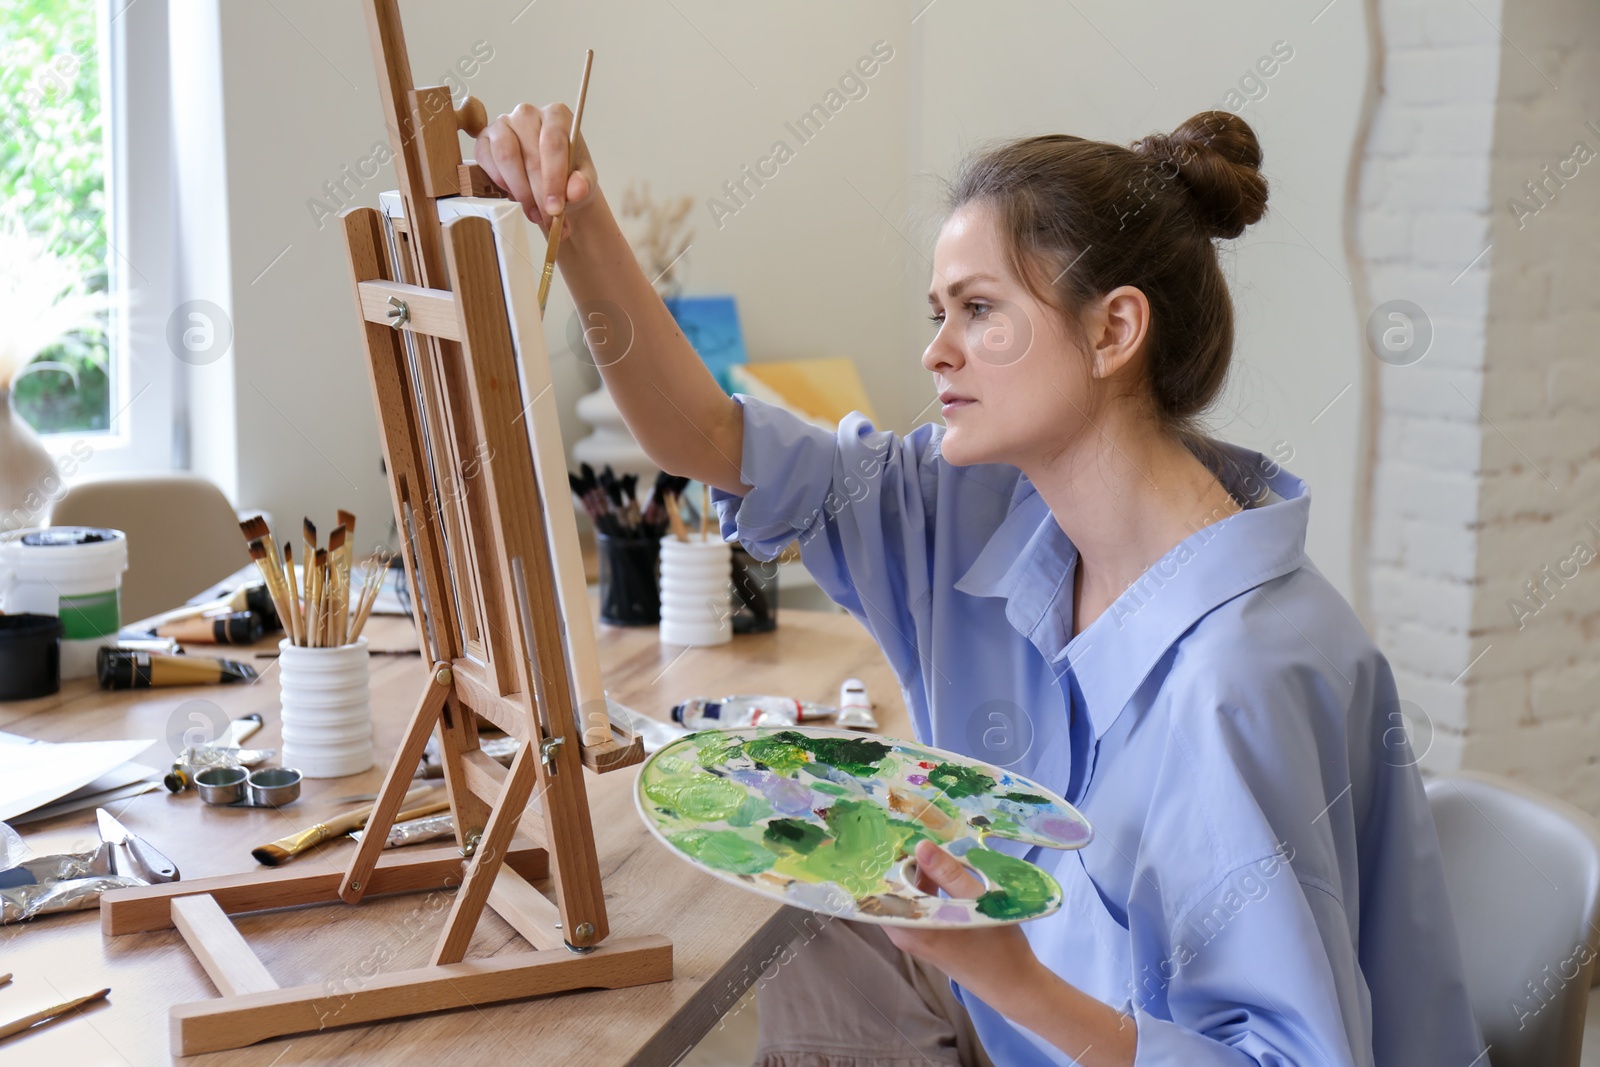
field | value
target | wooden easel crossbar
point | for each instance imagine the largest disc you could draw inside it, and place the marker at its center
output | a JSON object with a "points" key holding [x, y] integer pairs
{"points": [[500, 602]]}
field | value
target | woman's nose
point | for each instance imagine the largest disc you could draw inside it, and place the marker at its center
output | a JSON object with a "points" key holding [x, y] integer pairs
{"points": [[942, 353]]}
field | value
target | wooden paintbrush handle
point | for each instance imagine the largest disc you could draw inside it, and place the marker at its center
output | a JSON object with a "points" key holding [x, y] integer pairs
{"points": [[29, 1021]]}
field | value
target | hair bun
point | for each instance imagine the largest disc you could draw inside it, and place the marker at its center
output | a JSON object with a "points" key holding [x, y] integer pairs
{"points": [[1218, 158]]}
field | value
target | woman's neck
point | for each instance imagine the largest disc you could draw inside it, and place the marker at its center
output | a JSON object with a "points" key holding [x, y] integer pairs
{"points": [[1125, 496]]}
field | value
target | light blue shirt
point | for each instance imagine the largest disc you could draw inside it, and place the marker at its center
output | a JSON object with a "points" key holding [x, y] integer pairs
{"points": [[1264, 886]]}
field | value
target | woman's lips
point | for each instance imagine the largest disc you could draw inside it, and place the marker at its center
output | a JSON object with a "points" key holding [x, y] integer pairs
{"points": [[955, 404]]}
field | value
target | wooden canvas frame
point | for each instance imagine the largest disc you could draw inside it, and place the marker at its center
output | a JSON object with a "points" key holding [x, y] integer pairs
{"points": [[478, 477]]}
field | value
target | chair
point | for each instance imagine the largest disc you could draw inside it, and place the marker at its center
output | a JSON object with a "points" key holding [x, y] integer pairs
{"points": [[183, 535], [1523, 871]]}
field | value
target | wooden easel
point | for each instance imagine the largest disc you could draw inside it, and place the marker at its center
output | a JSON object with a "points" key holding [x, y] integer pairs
{"points": [[500, 601]]}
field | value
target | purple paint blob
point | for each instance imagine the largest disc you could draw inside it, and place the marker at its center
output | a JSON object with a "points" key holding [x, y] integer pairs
{"points": [[917, 779], [787, 796], [1056, 828], [951, 913]]}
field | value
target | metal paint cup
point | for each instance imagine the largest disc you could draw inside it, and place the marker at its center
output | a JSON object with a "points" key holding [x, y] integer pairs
{"points": [[221, 785], [273, 787]]}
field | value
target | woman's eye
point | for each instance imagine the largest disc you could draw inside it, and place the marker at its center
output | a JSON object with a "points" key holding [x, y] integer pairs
{"points": [[979, 309], [936, 319]]}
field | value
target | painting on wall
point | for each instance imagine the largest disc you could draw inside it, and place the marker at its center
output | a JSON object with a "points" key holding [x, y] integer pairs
{"points": [[711, 324]]}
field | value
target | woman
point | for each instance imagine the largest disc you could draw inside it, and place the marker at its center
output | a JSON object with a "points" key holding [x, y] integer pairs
{"points": [[1071, 581]]}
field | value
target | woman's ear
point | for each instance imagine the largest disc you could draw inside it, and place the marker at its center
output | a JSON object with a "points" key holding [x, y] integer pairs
{"points": [[1118, 330]]}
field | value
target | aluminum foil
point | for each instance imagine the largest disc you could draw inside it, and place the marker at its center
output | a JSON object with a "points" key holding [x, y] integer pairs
{"points": [[196, 758], [427, 828], [36, 885]]}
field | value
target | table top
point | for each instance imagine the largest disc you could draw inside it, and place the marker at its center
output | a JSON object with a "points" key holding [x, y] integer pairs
{"points": [[722, 936]]}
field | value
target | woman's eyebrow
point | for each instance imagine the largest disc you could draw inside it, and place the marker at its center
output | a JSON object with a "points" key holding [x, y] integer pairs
{"points": [[954, 288]]}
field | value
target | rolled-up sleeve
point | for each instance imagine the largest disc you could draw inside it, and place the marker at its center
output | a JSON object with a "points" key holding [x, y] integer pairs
{"points": [[858, 500]]}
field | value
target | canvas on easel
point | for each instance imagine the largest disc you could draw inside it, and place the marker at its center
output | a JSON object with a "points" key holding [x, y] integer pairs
{"points": [[461, 384]]}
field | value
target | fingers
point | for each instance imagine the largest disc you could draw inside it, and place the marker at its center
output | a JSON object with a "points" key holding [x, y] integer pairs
{"points": [[945, 872], [509, 171], [526, 154], [553, 162]]}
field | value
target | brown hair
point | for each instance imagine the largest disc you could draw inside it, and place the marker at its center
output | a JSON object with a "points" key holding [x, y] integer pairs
{"points": [[1081, 218]]}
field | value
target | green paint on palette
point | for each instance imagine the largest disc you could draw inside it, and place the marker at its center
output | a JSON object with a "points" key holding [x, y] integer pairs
{"points": [[830, 788], [1024, 889], [717, 750], [1024, 798], [777, 752], [865, 843], [754, 807], [854, 755], [726, 850], [698, 796], [788, 751], [793, 835], [954, 780]]}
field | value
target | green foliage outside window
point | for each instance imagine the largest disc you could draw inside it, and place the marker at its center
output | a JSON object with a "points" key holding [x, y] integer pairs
{"points": [[52, 180]]}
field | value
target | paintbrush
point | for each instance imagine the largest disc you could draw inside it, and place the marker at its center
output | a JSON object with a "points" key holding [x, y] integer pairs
{"points": [[371, 583], [346, 519], [675, 519], [263, 561], [27, 1022], [339, 575], [319, 618], [286, 849], [308, 530], [553, 244], [292, 621], [256, 529]]}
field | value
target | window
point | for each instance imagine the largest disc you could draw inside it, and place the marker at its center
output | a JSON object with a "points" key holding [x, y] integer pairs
{"points": [[85, 168], [53, 206]]}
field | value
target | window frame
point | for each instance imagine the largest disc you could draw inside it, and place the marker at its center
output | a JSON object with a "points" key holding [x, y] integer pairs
{"points": [[133, 57]]}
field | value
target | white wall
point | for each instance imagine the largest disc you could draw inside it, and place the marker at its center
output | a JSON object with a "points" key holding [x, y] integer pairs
{"points": [[683, 100], [1116, 72], [829, 257]]}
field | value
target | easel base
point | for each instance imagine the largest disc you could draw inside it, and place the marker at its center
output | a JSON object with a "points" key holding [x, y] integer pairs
{"points": [[237, 1021]]}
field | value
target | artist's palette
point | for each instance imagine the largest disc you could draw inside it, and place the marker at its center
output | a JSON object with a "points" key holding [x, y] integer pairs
{"points": [[828, 820]]}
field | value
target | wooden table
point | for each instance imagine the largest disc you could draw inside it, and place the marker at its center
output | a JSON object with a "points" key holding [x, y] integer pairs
{"points": [[722, 937]]}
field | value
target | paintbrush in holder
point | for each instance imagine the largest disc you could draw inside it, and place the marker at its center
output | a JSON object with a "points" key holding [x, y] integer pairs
{"points": [[327, 716]]}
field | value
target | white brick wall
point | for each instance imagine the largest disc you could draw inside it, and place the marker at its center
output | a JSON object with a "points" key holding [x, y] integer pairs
{"points": [[1487, 452]]}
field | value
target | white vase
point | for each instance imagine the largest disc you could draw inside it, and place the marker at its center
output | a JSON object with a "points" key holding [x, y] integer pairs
{"points": [[27, 472]]}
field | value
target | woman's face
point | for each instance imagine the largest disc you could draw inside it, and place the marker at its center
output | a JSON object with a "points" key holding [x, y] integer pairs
{"points": [[1013, 387]]}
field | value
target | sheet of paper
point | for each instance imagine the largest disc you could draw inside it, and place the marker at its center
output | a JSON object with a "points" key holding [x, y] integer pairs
{"points": [[33, 773]]}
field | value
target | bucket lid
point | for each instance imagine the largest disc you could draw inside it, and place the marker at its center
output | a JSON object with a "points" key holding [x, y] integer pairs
{"points": [[74, 546]]}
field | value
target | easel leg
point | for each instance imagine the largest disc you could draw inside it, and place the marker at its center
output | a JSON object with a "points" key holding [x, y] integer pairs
{"points": [[395, 784], [474, 891]]}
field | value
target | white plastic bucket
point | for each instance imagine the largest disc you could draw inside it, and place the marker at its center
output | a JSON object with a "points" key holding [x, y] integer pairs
{"points": [[73, 573], [327, 715], [696, 606]]}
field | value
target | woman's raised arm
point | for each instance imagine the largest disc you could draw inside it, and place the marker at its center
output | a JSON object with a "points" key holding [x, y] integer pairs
{"points": [[670, 401]]}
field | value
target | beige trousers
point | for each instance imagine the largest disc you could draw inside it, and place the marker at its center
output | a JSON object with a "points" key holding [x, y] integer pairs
{"points": [[846, 997]]}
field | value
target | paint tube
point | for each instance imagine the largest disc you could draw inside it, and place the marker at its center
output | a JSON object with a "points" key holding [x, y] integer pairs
{"points": [[706, 713], [236, 628], [123, 669], [855, 707]]}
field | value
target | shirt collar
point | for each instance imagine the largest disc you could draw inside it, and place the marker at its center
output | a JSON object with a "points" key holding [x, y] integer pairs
{"points": [[1030, 561]]}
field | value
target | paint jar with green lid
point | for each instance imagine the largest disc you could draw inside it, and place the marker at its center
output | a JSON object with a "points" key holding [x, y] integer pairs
{"points": [[71, 572]]}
